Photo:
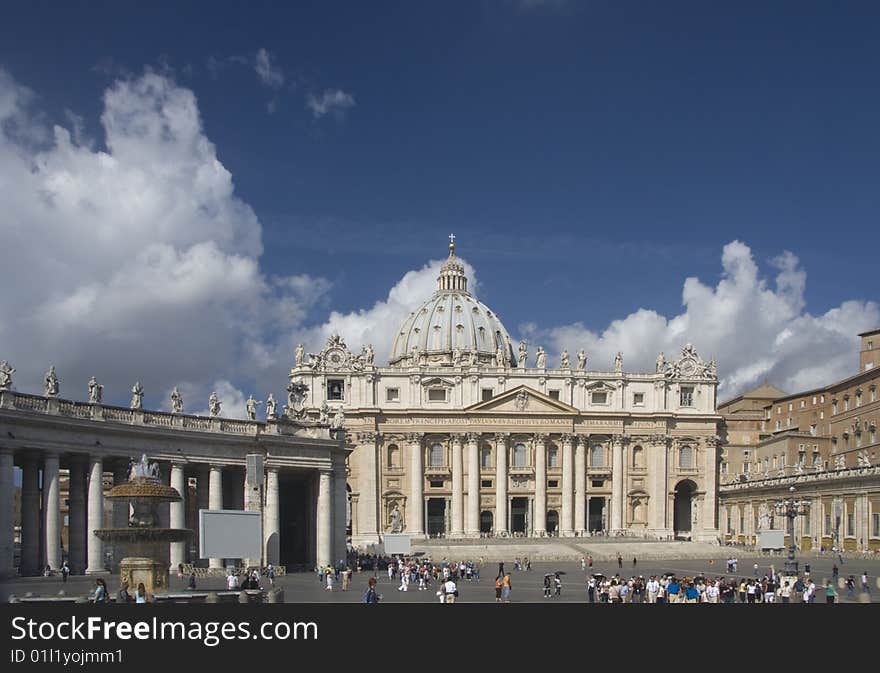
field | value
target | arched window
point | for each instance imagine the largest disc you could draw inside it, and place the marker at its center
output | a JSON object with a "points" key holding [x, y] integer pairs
{"points": [[393, 456], [486, 457], [686, 458], [436, 458], [519, 455], [597, 456], [552, 456], [638, 457]]}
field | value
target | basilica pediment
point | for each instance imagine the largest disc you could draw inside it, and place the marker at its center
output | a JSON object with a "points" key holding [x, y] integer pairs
{"points": [[523, 400]]}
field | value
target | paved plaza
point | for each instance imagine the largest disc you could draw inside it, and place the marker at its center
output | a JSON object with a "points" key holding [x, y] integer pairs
{"points": [[527, 586]]}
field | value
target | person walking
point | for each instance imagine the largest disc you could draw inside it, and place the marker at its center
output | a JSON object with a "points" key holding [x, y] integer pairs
{"points": [[498, 587], [100, 595], [505, 588], [590, 561], [830, 593], [65, 571], [850, 587], [371, 597], [451, 591], [619, 560], [270, 573], [558, 582], [634, 562], [547, 593], [122, 596], [866, 589]]}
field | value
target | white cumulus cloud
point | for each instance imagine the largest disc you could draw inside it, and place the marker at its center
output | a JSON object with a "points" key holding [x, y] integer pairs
{"points": [[269, 74], [331, 100]]}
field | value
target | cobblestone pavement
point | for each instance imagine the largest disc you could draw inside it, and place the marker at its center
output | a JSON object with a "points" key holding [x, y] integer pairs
{"points": [[527, 586]]}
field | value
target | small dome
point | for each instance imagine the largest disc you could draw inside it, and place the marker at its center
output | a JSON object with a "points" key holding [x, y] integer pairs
{"points": [[451, 321]]}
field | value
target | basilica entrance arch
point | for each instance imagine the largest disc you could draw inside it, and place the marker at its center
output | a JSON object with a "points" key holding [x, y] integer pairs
{"points": [[436, 517], [485, 521], [682, 510], [552, 521]]}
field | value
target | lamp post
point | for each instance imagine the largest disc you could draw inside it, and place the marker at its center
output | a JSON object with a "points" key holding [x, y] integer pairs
{"points": [[792, 508]]}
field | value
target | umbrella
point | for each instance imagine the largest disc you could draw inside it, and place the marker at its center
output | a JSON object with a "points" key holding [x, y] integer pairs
{"points": [[559, 572]]}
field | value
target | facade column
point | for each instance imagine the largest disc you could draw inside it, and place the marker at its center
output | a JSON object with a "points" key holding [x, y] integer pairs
{"points": [[657, 502], [707, 522], [51, 511], [324, 532], [457, 490], [539, 521], [30, 516], [416, 518], [501, 504], [7, 514], [95, 517], [76, 515], [617, 484], [177, 514], [580, 486], [368, 488], [567, 529], [272, 519], [215, 501], [472, 528]]}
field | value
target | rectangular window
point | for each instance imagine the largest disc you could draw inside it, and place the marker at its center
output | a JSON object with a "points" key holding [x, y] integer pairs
{"points": [[873, 394], [335, 389], [723, 468], [875, 524], [850, 524], [486, 483], [789, 406], [846, 404], [821, 415], [814, 399], [821, 399], [553, 483], [778, 410], [392, 394], [597, 483], [687, 396], [779, 425], [599, 398], [639, 399], [828, 529], [437, 395], [437, 484], [554, 394], [803, 403], [487, 394]]}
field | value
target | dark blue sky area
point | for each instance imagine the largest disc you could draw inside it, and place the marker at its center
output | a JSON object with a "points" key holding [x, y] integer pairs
{"points": [[595, 151]]}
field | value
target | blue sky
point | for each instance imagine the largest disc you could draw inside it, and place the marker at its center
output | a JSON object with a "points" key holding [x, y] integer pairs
{"points": [[589, 156]]}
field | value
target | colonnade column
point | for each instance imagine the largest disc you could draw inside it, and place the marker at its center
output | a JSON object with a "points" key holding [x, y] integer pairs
{"points": [[272, 518], [76, 514], [7, 514], [324, 532], [457, 490], [215, 501], [472, 528], [30, 516], [340, 521], [617, 483], [580, 486], [177, 514], [415, 523], [95, 517], [501, 503], [51, 511], [540, 516], [567, 529], [368, 487]]}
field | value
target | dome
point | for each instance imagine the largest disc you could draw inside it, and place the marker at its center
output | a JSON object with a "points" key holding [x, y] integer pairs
{"points": [[451, 325]]}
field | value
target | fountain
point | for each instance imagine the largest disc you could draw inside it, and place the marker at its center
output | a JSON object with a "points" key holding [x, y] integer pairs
{"points": [[143, 539]]}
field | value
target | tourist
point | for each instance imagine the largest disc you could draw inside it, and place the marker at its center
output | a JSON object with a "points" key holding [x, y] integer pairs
{"points": [[619, 560], [346, 578], [48, 571], [830, 593], [546, 586], [192, 581], [835, 571], [785, 592], [591, 589], [498, 587], [653, 587], [65, 571], [866, 589], [673, 589], [232, 581], [180, 571], [634, 562], [583, 563], [557, 580], [505, 588], [140, 596], [451, 591], [270, 573], [371, 597], [328, 572], [100, 595], [590, 561], [122, 596]]}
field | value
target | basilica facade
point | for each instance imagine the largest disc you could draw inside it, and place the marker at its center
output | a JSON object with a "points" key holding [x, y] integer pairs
{"points": [[462, 436]]}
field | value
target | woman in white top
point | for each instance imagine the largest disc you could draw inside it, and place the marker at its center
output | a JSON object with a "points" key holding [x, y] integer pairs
{"points": [[140, 596]]}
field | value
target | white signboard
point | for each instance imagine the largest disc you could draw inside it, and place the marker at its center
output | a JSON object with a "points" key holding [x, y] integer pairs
{"points": [[771, 539], [230, 533]]}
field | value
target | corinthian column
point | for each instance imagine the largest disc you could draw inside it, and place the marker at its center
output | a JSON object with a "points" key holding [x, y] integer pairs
{"points": [[51, 511], [368, 488], [659, 488], [416, 525], [501, 483], [76, 514], [540, 521], [324, 532], [472, 528], [580, 485], [95, 517], [215, 501], [30, 516], [617, 484], [567, 486], [457, 491]]}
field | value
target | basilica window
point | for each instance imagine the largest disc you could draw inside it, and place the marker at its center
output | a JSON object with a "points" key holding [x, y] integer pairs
{"points": [[554, 394], [487, 394], [392, 395], [436, 457], [638, 457], [519, 455], [597, 456], [828, 528], [553, 457], [686, 458], [393, 456], [850, 524], [639, 399], [687, 396], [335, 389], [437, 395], [599, 398], [875, 524]]}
